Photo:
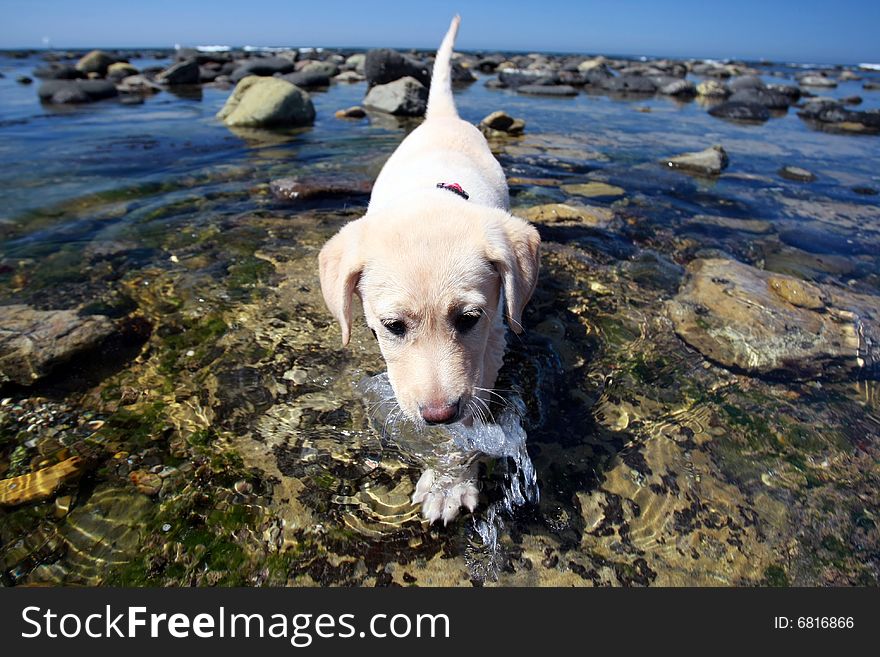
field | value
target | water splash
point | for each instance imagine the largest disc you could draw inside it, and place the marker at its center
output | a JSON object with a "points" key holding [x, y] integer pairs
{"points": [[449, 449]]}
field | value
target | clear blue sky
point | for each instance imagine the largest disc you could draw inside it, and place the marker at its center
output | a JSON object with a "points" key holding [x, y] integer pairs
{"points": [[823, 31]]}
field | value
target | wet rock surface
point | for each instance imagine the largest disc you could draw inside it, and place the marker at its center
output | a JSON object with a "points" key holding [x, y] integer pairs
{"points": [[776, 325], [403, 97], [294, 189], [831, 115], [33, 341]]}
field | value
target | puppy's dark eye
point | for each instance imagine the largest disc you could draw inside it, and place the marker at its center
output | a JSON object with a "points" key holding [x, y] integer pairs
{"points": [[467, 321], [396, 327]]}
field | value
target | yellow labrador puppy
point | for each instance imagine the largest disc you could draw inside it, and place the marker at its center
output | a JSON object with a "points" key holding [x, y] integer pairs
{"points": [[437, 260]]}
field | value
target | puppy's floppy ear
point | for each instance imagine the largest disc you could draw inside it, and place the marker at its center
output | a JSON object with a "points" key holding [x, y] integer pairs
{"points": [[340, 267], [514, 250]]}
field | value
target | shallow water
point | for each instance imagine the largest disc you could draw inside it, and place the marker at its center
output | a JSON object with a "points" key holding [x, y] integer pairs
{"points": [[448, 451], [223, 436]]}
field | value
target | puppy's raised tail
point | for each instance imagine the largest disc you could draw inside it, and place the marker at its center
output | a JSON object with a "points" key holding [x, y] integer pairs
{"points": [[440, 102]]}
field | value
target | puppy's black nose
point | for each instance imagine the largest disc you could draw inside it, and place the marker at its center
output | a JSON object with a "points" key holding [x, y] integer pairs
{"points": [[439, 413]]}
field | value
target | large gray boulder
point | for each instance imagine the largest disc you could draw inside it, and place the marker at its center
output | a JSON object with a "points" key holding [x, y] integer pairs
{"points": [[185, 72], [404, 97], [264, 102], [775, 325], [33, 341], [384, 65]]}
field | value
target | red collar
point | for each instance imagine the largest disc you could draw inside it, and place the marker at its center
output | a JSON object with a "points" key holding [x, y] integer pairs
{"points": [[455, 188]]}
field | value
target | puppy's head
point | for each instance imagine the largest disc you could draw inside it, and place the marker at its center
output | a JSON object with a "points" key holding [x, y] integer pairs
{"points": [[430, 279]]}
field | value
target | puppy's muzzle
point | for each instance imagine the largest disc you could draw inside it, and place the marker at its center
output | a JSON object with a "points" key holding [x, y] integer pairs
{"points": [[440, 413]]}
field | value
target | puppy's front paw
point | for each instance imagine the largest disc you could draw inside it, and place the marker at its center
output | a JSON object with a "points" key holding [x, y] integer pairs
{"points": [[443, 498]]}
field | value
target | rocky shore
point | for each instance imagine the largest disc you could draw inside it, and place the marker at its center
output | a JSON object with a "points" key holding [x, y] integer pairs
{"points": [[698, 376], [398, 82]]}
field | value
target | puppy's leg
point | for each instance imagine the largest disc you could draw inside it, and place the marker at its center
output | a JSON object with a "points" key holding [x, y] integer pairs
{"points": [[442, 496]]}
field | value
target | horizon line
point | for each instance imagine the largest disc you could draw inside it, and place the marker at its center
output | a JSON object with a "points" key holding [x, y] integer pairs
{"points": [[752, 59]]}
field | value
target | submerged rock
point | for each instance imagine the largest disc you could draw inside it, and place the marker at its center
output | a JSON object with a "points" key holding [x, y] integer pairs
{"points": [[776, 325], [258, 102], [547, 90], [817, 81], [754, 226], [107, 531], [551, 213], [709, 162], [33, 341], [38, 485], [593, 189], [825, 240], [797, 173], [404, 97], [295, 189]]}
